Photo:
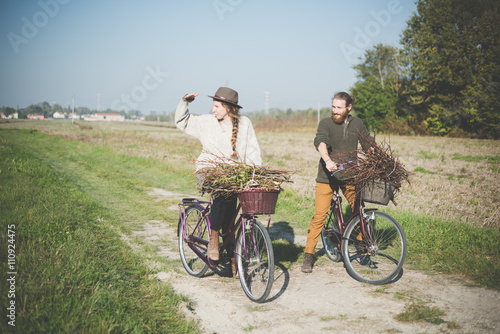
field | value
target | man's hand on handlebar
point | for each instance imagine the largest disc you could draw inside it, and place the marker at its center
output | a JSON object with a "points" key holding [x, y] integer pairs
{"points": [[331, 166]]}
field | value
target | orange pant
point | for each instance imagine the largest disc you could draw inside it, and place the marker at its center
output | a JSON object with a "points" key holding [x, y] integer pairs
{"points": [[324, 194]]}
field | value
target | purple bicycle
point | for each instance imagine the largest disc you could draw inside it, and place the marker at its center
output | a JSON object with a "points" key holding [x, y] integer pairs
{"points": [[253, 251]]}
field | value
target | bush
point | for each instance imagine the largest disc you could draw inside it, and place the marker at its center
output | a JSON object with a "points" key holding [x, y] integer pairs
{"points": [[396, 127]]}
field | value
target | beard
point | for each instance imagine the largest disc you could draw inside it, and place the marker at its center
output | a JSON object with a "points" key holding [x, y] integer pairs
{"points": [[340, 118]]}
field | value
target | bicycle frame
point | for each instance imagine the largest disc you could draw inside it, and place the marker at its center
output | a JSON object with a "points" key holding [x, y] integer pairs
{"points": [[336, 207], [196, 243], [371, 244]]}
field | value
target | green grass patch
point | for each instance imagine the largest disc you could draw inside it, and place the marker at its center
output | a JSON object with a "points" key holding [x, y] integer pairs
{"points": [[249, 328], [402, 295], [74, 274], [421, 170], [381, 290], [427, 155], [453, 325], [452, 248], [293, 208], [495, 169], [286, 253], [476, 158], [416, 312]]}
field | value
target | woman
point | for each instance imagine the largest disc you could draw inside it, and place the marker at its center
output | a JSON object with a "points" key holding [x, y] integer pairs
{"points": [[227, 135]]}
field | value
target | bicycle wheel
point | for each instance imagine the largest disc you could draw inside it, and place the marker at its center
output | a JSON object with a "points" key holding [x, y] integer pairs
{"points": [[330, 236], [255, 260], [193, 264], [377, 255]]}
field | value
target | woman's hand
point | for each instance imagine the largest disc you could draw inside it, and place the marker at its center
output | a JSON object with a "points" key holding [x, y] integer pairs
{"points": [[190, 97]]}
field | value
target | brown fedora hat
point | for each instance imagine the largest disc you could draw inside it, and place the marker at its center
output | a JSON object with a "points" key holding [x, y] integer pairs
{"points": [[228, 95]]}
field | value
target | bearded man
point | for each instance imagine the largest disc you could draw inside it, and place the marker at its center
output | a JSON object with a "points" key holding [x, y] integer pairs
{"points": [[336, 140]]}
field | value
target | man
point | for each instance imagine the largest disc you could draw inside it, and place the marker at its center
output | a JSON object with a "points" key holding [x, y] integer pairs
{"points": [[336, 140]]}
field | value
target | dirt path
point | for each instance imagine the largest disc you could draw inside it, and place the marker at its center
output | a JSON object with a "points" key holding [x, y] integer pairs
{"points": [[328, 300]]}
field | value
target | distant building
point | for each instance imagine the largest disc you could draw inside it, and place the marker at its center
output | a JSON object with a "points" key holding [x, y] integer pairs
{"points": [[33, 116], [11, 116], [59, 115], [105, 117]]}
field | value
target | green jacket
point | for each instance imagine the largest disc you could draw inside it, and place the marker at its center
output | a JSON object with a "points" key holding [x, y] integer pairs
{"points": [[342, 142]]}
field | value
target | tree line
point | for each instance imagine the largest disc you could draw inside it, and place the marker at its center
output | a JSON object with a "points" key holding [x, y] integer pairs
{"points": [[444, 79]]}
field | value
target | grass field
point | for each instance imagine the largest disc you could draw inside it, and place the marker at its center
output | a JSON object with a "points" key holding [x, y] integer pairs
{"points": [[73, 191], [64, 205]]}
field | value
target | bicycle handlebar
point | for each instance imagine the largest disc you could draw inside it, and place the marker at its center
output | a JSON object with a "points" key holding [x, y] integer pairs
{"points": [[341, 166]]}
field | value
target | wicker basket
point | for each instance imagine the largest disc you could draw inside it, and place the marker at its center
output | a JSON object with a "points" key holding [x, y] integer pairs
{"points": [[378, 192], [258, 201]]}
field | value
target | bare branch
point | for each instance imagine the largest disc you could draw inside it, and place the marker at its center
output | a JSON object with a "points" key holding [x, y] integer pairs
{"points": [[228, 176]]}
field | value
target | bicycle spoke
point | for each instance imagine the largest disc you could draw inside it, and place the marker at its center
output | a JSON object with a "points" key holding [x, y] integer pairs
{"points": [[388, 257], [255, 261], [374, 254], [193, 236], [330, 236]]}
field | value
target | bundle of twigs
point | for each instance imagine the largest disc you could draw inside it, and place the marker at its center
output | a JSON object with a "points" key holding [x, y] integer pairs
{"points": [[376, 163], [226, 177]]}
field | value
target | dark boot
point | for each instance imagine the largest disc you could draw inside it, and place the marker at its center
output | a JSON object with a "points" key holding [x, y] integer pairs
{"points": [[233, 267], [307, 265], [213, 246]]}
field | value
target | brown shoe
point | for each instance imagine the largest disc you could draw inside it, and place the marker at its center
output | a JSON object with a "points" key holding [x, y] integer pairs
{"points": [[233, 267], [307, 265], [213, 246]]}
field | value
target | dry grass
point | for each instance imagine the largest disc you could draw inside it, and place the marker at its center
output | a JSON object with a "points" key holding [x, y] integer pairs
{"points": [[441, 186], [466, 191]]}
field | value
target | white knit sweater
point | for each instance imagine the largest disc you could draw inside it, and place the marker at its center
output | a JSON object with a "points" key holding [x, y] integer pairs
{"points": [[215, 137]]}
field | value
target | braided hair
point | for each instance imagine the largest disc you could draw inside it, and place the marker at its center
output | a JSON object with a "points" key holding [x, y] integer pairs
{"points": [[233, 112]]}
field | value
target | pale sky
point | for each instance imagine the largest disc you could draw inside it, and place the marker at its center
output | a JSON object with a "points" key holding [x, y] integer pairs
{"points": [[146, 55]]}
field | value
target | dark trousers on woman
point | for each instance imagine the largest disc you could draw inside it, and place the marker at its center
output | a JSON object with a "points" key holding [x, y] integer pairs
{"points": [[221, 214]]}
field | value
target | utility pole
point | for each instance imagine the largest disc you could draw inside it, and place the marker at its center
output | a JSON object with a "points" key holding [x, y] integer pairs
{"points": [[98, 102], [73, 110], [318, 113], [267, 103]]}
